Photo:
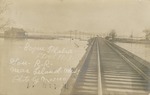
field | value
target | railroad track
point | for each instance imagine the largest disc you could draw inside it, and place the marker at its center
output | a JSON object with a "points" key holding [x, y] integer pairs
{"points": [[109, 71], [119, 77]]}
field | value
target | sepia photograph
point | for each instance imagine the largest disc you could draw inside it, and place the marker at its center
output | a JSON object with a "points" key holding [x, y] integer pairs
{"points": [[74, 47]]}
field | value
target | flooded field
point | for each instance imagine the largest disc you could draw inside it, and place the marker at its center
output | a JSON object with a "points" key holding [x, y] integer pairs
{"points": [[27, 66], [141, 50]]}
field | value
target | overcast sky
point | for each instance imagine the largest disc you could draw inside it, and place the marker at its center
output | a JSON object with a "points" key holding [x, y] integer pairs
{"points": [[99, 16]]}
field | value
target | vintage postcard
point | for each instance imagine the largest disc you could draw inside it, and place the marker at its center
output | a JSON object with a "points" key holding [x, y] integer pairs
{"points": [[74, 47]]}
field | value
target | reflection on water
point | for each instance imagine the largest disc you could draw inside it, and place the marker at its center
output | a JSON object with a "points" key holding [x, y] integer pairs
{"points": [[141, 50], [37, 67]]}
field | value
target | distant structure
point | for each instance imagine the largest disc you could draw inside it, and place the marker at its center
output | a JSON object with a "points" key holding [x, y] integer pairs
{"points": [[148, 36], [15, 33]]}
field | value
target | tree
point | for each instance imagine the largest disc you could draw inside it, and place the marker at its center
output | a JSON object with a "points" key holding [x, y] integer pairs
{"points": [[112, 34], [131, 36], [3, 8], [147, 34]]}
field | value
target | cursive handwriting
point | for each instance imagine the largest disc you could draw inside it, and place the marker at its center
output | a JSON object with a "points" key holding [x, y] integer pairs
{"points": [[17, 61], [15, 70]]}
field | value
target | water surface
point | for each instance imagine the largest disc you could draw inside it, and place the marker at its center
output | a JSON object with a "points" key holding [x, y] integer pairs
{"points": [[141, 50], [37, 67]]}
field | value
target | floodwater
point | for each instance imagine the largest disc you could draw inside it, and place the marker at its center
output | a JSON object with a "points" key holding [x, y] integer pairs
{"points": [[37, 67], [141, 50], [42, 67]]}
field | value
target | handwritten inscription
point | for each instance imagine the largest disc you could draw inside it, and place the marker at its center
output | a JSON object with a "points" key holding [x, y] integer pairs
{"points": [[41, 70], [17, 61], [15, 70], [50, 49], [32, 49], [35, 79]]}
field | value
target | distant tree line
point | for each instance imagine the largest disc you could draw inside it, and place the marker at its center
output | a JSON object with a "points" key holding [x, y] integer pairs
{"points": [[147, 34], [3, 8], [112, 35]]}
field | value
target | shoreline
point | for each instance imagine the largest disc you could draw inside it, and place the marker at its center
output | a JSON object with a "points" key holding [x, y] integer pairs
{"points": [[142, 41]]}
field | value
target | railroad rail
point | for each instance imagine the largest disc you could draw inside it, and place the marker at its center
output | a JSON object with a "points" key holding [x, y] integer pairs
{"points": [[109, 70]]}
